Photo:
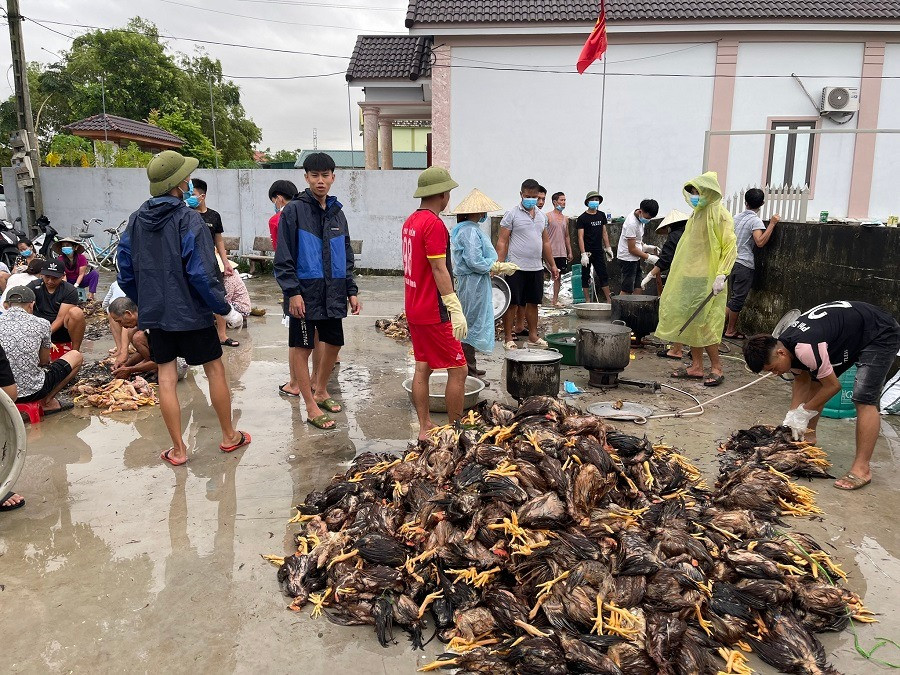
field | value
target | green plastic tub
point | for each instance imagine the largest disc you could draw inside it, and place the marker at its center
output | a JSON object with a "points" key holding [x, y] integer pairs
{"points": [[565, 344]]}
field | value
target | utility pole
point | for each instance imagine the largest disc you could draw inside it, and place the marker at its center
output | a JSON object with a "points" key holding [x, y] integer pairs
{"points": [[212, 115], [315, 139], [27, 157]]}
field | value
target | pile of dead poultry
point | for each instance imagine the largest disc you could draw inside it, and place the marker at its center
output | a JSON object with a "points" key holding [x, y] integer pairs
{"points": [[97, 388], [396, 328], [96, 320], [541, 540]]}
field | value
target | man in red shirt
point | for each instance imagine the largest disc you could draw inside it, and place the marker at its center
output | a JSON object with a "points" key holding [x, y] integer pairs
{"points": [[435, 316], [281, 192]]}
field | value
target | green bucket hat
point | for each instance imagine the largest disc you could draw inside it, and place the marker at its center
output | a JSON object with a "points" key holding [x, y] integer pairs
{"points": [[433, 181], [593, 193], [167, 169]]}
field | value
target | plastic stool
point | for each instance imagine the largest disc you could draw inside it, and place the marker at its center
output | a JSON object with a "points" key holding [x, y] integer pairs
{"points": [[34, 410], [57, 350]]}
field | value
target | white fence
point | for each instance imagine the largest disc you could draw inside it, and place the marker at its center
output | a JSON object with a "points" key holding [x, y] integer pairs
{"points": [[790, 203]]}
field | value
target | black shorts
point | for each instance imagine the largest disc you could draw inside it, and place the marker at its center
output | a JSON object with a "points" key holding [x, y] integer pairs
{"points": [[601, 274], [302, 332], [54, 374], [631, 274], [562, 264], [526, 288], [60, 336], [197, 347], [872, 367], [739, 284]]}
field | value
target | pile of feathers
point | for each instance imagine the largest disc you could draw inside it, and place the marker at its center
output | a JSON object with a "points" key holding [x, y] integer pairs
{"points": [[541, 540], [396, 328]]}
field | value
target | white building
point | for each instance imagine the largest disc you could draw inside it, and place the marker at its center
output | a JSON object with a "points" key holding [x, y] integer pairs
{"points": [[506, 103]]}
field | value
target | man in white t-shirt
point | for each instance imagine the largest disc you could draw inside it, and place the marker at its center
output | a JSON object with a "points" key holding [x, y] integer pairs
{"points": [[632, 250]]}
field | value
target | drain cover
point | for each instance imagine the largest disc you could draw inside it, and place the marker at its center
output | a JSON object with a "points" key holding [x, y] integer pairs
{"points": [[623, 410]]}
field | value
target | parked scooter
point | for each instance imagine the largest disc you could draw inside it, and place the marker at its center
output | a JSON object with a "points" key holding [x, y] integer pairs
{"points": [[9, 238], [43, 243]]}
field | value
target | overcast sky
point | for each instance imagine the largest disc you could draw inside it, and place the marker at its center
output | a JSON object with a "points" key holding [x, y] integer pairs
{"points": [[287, 111]]}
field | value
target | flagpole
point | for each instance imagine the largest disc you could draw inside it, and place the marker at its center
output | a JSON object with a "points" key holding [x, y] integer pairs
{"points": [[602, 111]]}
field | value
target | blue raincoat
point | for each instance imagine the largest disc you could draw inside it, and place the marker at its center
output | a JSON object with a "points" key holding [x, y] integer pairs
{"points": [[472, 255]]}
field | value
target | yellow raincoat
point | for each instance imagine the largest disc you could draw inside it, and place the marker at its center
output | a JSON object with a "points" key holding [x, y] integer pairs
{"points": [[707, 249]]}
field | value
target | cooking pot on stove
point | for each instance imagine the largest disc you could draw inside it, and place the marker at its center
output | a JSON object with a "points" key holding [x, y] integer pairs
{"points": [[639, 312], [532, 372], [604, 346]]}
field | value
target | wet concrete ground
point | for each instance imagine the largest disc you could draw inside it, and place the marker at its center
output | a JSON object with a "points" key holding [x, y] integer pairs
{"points": [[121, 563]]}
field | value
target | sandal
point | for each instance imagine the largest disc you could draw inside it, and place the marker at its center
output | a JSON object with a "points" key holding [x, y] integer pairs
{"points": [[64, 404], [229, 342], [286, 392], [682, 374], [321, 422], [713, 380], [664, 354], [164, 456], [10, 495], [540, 343], [736, 336], [855, 482], [245, 440], [330, 405], [511, 345]]}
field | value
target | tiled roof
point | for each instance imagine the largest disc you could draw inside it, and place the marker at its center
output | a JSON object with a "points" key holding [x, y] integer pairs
{"points": [[380, 57], [343, 159], [125, 126], [553, 11]]}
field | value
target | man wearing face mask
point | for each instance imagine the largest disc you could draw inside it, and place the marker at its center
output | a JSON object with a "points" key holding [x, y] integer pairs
{"points": [[593, 239], [632, 250], [280, 193], [168, 268]]}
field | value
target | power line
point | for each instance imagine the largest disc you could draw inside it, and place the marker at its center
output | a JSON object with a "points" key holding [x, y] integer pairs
{"points": [[259, 18], [302, 3]]}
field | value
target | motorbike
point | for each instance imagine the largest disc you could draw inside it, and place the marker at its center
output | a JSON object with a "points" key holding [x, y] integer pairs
{"points": [[45, 240], [9, 240]]}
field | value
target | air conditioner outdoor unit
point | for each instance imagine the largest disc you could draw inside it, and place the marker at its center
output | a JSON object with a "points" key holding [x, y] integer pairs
{"points": [[839, 100]]}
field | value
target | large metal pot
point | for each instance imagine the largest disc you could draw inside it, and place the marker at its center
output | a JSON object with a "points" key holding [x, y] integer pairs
{"points": [[605, 346], [639, 312], [593, 311], [532, 372]]}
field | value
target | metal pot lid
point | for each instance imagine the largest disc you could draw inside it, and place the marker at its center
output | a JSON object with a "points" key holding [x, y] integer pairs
{"points": [[500, 296], [637, 299], [545, 356], [621, 410], [595, 306]]}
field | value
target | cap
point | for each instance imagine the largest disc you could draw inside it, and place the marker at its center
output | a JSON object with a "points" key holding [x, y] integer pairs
{"points": [[591, 194], [433, 181], [20, 295], [52, 268], [476, 202], [167, 169]]}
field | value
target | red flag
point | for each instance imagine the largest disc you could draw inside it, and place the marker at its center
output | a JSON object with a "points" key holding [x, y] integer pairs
{"points": [[596, 43]]}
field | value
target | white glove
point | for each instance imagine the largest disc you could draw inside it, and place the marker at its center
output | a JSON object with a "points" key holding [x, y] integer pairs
{"points": [[234, 319], [609, 254], [585, 259], [647, 279], [718, 284], [652, 259], [649, 248], [798, 420]]}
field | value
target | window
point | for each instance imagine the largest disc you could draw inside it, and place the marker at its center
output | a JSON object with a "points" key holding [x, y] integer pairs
{"points": [[790, 159]]}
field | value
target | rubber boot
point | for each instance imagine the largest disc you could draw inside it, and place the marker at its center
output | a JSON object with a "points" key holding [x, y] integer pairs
{"points": [[469, 352]]}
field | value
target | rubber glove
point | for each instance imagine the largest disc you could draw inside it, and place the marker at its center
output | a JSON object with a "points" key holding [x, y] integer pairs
{"points": [[647, 279], [457, 318], [649, 248], [234, 319], [609, 254], [585, 259], [718, 284], [504, 268], [798, 420], [652, 259]]}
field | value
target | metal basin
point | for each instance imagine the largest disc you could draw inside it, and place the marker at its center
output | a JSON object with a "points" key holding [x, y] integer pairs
{"points": [[500, 296], [437, 385], [12, 444], [532, 372], [639, 312], [604, 346], [593, 311]]}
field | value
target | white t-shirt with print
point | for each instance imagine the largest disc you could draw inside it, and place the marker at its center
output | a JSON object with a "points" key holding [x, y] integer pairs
{"points": [[632, 227]]}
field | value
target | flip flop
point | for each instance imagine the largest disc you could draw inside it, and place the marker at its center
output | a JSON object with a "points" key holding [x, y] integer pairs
{"points": [[64, 404], [320, 422], [245, 440], [511, 344], [330, 405], [10, 495], [713, 380], [682, 374], [164, 456], [855, 482], [664, 354], [229, 342], [736, 336], [286, 392]]}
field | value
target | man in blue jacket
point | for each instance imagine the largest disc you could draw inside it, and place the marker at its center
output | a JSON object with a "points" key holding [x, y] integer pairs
{"points": [[167, 267], [314, 267]]}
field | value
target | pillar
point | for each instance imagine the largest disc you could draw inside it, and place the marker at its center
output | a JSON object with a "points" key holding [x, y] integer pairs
{"points": [[386, 141], [440, 107], [722, 107], [370, 136], [864, 149]]}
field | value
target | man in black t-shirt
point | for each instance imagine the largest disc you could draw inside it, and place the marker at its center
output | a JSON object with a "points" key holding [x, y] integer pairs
{"points": [[57, 301], [595, 249], [819, 346]]}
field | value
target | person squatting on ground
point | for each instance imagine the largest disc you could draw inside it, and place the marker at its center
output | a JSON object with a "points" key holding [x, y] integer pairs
{"points": [[25, 339], [167, 267], [124, 313], [26, 255], [632, 250], [436, 319], [751, 233], [821, 345], [57, 302], [31, 272], [593, 239], [524, 241], [314, 268], [702, 263], [79, 273], [474, 260], [673, 225], [560, 241]]}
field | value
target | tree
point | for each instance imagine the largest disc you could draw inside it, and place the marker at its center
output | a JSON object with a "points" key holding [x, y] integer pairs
{"points": [[283, 155], [70, 150], [176, 118]]}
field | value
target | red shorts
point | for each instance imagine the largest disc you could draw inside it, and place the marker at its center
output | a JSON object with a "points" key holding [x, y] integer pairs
{"points": [[434, 344]]}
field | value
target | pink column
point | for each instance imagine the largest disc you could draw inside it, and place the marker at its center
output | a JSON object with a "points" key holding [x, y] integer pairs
{"points": [[386, 132], [440, 108], [864, 149], [722, 106]]}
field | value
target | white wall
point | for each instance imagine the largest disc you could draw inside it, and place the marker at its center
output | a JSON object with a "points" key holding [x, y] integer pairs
{"points": [[885, 199], [508, 126], [758, 98], [375, 202]]}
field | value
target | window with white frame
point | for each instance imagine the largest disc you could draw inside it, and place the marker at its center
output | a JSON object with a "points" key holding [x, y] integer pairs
{"points": [[790, 160]]}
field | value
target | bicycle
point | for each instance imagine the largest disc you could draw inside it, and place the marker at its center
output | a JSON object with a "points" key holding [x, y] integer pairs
{"points": [[97, 256]]}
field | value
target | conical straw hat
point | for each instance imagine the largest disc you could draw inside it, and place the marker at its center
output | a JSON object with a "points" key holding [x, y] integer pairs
{"points": [[672, 217], [476, 202]]}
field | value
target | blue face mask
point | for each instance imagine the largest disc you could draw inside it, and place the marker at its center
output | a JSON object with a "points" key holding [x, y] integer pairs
{"points": [[529, 203], [695, 201], [593, 204], [26, 253], [643, 220], [560, 208], [276, 208], [67, 250], [192, 201]]}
